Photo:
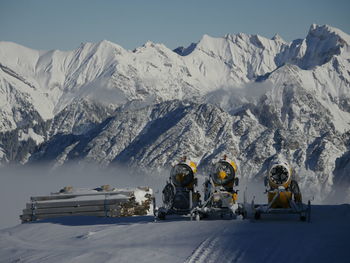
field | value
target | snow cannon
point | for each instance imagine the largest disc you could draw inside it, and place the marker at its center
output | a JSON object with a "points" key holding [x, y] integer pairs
{"points": [[280, 176], [283, 194], [224, 173], [220, 197], [179, 195]]}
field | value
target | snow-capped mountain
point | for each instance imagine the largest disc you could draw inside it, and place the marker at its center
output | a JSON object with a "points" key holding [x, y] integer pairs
{"points": [[254, 98]]}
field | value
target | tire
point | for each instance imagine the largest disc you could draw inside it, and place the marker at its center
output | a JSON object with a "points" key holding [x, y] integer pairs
{"points": [[161, 216]]}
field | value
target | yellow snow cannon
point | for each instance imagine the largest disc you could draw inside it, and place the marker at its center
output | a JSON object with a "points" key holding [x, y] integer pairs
{"points": [[179, 195], [283, 194], [220, 197]]}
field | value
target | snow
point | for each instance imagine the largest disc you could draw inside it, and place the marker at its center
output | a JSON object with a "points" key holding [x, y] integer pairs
{"points": [[139, 239], [140, 195], [30, 134], [2, 152], [85, 194]]}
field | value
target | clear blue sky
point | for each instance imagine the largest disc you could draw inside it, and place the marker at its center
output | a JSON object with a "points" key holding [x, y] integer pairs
{"points": [[64, 24]]}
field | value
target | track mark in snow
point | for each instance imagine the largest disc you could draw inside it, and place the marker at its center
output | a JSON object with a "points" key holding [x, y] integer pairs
{"points": [[203, 252], [218, 248], [87, 235]]}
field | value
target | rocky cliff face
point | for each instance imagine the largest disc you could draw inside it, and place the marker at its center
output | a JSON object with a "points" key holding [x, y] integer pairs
{"points": [[253, 98]]}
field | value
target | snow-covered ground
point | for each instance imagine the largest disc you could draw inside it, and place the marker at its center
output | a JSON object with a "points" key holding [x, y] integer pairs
{"points": [[139, 239]]}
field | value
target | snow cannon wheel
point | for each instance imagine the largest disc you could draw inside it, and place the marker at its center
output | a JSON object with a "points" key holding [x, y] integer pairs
{"points": [[306, 215], [161, 215], [195, 216]]}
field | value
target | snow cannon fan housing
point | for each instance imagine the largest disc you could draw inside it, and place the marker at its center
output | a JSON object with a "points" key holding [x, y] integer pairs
{"points": [[279, 175], [182, 174], [224, 173]]}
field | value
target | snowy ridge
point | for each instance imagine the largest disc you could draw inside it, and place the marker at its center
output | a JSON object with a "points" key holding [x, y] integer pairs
{"points": [[107, 73]]}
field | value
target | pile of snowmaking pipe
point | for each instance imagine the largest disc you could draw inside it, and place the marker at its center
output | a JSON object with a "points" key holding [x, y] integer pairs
{"points": [[103, 201]]}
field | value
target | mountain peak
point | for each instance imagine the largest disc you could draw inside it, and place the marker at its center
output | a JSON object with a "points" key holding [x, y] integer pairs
{"points": [[149, 43], [206, 40], [323, 43], [108, 44], [313, 27], [105, 42], [323, 32], [277, 37]]}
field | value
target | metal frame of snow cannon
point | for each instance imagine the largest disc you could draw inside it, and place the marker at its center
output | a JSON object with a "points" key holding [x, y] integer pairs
{"points": [[281, 190], [220, 196], [179, 195]]}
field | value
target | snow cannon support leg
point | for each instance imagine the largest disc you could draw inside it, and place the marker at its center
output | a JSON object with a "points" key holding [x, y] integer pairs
{"points": [[309, 211]]}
